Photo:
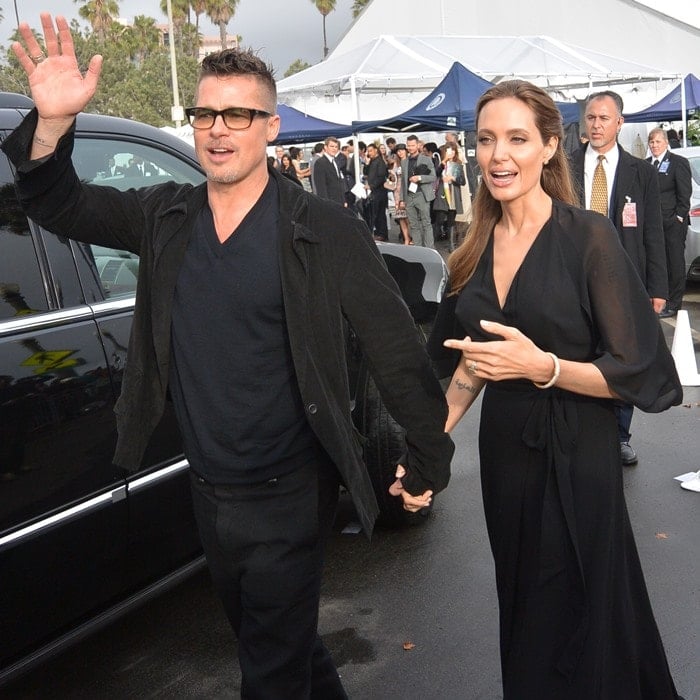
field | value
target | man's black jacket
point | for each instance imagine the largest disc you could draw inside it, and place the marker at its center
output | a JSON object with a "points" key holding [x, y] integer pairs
{"points": [[331, 271]]}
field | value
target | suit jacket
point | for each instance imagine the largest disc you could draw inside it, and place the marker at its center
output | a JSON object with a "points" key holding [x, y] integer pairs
{"points": [[326, 182], [326, 281], [427, 182], [636, 183], [376, 173], [675, 187]]}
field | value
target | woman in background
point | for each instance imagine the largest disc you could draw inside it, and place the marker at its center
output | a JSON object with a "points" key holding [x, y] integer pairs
{"points": [[303, 174], [287, 168], [448, 197]]}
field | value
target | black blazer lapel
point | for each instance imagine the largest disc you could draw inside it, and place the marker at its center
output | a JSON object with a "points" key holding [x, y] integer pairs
{"points": [[623, 185]]}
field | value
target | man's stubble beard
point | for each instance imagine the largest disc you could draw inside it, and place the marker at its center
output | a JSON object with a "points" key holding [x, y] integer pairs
{"points": [[227, 177]]}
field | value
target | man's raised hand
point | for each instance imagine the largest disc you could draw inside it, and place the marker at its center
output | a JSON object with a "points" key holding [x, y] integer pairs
{"points": [[58, 88]]}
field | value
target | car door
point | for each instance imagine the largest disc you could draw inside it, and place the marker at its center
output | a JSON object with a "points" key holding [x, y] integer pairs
{"points": [[63, 508], [162, 534]]}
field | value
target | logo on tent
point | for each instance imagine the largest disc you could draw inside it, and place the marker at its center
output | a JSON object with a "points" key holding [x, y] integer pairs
{"points": [[436, 101]]}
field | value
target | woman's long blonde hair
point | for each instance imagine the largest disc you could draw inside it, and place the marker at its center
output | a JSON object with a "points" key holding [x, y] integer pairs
{"points": [[555, 178]]}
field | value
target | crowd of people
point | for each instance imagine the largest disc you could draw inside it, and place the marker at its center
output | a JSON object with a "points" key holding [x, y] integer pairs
{"points": [[423, 187], [552, 312]]}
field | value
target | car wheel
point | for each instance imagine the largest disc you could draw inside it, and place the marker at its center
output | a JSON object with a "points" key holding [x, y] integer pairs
{"points": [[383, 448]]}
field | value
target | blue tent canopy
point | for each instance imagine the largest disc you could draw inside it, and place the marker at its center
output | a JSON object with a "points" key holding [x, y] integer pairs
{"points": [[449, 107], [297, 127], [668, 108]]}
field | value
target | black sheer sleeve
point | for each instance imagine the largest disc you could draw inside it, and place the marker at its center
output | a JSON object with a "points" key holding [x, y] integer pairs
{"points": [[632, 353], [445, 326]]}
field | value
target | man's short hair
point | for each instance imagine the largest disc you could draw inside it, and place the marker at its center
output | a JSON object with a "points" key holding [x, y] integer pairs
{"points": [[412, 137], [658, 131], [242, 62], [331, 139], [607, 93]]}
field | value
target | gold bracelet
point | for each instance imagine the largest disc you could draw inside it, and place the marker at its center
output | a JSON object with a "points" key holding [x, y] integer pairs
{"points": [[555, 375]]}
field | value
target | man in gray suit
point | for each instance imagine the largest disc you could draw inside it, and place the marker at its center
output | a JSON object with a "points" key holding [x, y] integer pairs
{"points": [[417, 190]]}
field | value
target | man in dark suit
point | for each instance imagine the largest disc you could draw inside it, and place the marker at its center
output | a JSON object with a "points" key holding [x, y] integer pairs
{"points": [[376, 172], [626, 189], [328, 181], [675, 186]]}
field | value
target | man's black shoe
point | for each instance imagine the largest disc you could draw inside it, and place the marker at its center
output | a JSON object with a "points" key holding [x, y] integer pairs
{"points": [[667, 313], [627, 454]]}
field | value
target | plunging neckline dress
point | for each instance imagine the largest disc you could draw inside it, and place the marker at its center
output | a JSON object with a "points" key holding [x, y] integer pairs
{"points": [[575, 617]]}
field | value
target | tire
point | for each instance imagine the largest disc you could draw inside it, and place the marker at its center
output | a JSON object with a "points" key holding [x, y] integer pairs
{"points": [[383, 448]]}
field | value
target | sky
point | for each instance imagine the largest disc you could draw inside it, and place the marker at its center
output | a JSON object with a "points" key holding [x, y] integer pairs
{"points": [[281, 30]]}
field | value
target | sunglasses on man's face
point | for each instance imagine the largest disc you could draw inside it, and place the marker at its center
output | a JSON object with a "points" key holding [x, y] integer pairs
{"points": [[234, 117]]}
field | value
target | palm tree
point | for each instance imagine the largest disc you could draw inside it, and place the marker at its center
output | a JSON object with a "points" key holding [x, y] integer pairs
{"points": [[325, 7], [99, 13], [199, 7], [145, 37], [358, 6], [220, 13], [180, 10]]}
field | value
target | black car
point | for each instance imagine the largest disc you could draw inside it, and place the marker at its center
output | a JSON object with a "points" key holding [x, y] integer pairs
{"points": [[82, 541]]}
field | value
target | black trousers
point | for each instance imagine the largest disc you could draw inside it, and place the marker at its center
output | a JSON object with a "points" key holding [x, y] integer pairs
{"points": [[265, 545], [675, 234], [378, 201]]}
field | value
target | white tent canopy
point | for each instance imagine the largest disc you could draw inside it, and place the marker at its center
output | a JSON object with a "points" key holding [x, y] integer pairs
{"points": [[625, 28], [384, 76]]}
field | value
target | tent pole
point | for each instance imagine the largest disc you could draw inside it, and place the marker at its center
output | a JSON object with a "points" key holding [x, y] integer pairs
{"points": [[355, 136], [684, 114]]}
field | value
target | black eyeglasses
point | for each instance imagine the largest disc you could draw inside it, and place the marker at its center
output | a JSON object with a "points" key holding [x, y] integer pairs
{"points": [[234, 117]]}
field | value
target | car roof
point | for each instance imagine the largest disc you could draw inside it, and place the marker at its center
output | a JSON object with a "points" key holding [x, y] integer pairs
{"points": [[687, 152], [14, 107], [15, 99]]}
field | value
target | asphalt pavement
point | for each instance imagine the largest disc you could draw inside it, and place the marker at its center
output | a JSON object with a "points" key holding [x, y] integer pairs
{"points": [[413, 613]]}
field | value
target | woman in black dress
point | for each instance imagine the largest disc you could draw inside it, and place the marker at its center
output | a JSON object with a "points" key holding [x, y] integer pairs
{"points": [[547, 314], [287, 168]]}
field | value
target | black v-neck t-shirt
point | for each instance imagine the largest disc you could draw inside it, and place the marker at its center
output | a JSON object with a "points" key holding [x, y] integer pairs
{"points": [[232, 377]]}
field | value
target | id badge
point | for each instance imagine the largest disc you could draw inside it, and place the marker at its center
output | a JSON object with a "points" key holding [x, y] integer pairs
{"points": [[413, 187], [663, 168], [629, 215]]}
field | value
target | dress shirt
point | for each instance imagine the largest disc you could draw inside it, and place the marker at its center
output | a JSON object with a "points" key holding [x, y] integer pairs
{"points": [[335, 164], [660, 159], [609, 165]]}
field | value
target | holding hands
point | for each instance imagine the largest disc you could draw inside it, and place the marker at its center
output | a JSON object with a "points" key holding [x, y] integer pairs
{"points": [[410, 503]]}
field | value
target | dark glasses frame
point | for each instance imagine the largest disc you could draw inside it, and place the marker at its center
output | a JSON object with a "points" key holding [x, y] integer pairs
{"points": [[200, 114]]}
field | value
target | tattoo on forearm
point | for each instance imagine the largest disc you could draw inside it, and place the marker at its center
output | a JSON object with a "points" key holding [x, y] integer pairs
{"points": [[465, 386]]}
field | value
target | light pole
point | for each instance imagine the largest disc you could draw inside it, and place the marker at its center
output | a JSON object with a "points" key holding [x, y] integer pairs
{"points": [[177, 113]]}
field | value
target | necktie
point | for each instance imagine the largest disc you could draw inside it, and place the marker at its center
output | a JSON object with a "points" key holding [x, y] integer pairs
{"points": [[656, 164], [599, 191]]}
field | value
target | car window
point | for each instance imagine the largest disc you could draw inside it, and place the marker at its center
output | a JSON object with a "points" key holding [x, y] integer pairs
{"points": [[21, 287], [695, 169], [125, 165]]}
